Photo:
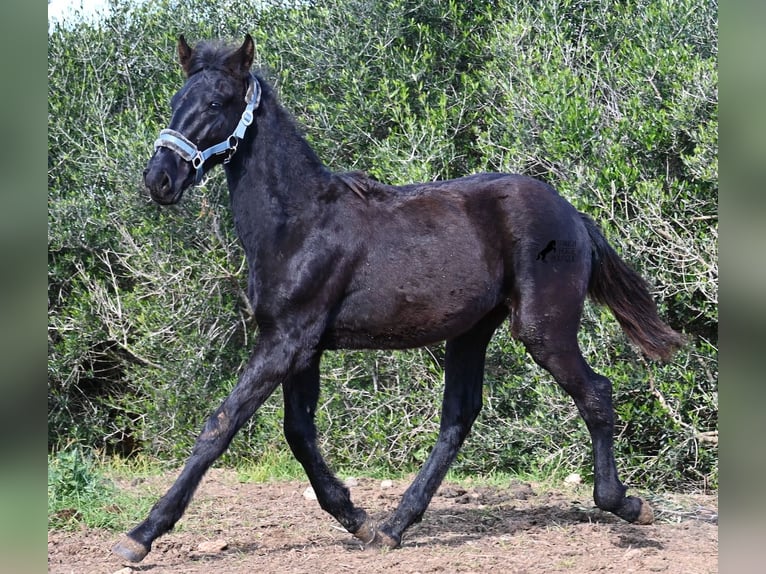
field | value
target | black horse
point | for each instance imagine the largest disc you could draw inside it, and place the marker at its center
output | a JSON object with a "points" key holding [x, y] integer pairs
{"points": [[339, 260]]}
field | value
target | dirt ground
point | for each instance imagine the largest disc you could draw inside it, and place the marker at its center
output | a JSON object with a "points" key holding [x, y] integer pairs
{"points": [[517, 529]]}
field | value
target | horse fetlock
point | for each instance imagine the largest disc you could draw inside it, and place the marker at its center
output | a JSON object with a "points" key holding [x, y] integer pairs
{"points": [[130, 549], [386, 540], [633, 509]]}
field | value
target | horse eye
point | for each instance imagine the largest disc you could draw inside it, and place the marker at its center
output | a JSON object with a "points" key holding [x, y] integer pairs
{"points": [[215, 105]]}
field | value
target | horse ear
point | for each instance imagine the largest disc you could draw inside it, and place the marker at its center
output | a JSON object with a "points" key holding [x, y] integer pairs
{"points": [[184, 54], [241, 60]]}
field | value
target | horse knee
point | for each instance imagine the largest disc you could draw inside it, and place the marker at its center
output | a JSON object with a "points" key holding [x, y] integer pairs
{"points": [[299, 432]]}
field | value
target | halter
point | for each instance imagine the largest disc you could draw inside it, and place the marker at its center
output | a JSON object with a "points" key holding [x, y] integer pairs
{"points": [[180, 144]]}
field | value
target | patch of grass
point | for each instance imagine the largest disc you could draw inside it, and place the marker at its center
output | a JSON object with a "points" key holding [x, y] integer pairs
{"points": [[280, 464], [82, 491], [495, 478], [273, 465]]}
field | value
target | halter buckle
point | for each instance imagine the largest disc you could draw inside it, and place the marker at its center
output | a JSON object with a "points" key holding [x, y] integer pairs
{"points": [[197, 161], [233, 142]]}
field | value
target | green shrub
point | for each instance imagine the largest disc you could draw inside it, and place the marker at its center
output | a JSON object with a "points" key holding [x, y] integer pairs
{"points": [[77, 492]]}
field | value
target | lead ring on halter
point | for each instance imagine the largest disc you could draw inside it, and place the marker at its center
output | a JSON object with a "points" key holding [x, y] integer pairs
{"points": [[184, 147]]}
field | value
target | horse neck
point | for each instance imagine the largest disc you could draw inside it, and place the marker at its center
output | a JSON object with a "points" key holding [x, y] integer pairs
{"points": [[276, 172]]}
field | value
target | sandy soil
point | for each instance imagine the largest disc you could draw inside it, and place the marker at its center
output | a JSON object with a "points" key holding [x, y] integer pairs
{"points": [[516, 529]]}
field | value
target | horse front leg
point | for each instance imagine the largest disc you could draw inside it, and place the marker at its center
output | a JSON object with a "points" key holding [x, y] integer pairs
{"points": [[301, 393], [266, 369]]}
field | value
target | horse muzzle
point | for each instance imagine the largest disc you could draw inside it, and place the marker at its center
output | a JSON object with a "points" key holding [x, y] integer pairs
{"points": [[166, 178]]}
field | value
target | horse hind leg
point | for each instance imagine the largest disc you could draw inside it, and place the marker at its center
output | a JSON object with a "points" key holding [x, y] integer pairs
{"points": [[462, 401], [554, 347]]}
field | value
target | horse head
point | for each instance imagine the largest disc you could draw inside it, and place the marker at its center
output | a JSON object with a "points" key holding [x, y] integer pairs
{"points": [[210, 115]]}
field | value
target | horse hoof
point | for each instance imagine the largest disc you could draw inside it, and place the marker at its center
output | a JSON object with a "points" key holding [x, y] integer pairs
{"points": [[366, 533], [130, 549], [646, 516], [372, 537], [383, 540]]}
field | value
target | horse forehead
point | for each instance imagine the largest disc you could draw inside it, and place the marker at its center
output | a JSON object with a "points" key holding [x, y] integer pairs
{"points": [[208, 83]]}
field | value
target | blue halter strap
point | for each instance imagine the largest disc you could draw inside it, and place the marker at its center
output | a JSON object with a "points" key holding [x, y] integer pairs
{"points": [[180, 144]]}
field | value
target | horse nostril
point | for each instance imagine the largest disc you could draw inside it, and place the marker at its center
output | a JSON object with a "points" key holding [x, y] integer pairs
{"points": [[157, 180], [165, 182]]}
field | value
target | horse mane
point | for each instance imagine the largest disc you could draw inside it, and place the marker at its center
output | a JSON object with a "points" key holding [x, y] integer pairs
{"points": [[363, 185]]}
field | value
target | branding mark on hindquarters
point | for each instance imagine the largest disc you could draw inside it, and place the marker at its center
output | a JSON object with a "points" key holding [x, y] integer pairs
{"points": [[558, 250]]}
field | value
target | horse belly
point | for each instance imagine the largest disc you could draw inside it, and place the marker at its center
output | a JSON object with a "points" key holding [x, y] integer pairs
{"points": [[406, 306]]}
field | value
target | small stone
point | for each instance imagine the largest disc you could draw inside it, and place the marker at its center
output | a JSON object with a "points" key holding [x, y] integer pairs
{"points": [[213, 546], [573, 478], [309, 494], [386, 483], [351, 481], [451, 491]]}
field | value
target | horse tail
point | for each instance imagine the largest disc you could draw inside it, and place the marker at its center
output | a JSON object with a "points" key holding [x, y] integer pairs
{"points": [[614, 284]]}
